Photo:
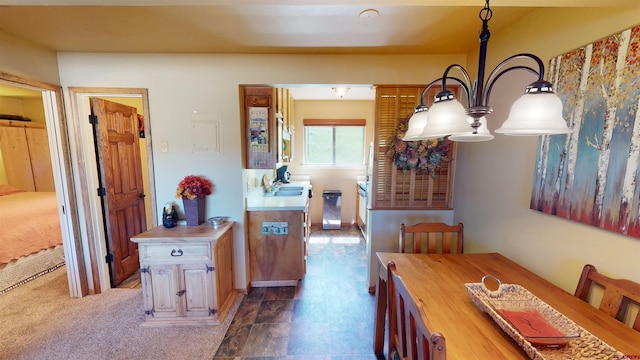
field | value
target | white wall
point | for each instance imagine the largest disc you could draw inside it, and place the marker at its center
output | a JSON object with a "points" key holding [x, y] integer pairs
{"points": [[493, 179], [178, 85]]}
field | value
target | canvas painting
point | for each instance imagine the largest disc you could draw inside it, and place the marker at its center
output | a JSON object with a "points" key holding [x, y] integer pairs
{"points": [[591, 174]]}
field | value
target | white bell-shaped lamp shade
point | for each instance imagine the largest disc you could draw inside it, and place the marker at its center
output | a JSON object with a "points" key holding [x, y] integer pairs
{"points": [[535, 114], [446, 118], [417, 123], [482, 134]]}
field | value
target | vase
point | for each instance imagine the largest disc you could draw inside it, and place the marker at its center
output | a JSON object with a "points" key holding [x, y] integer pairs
{"points": [[194, 211]]}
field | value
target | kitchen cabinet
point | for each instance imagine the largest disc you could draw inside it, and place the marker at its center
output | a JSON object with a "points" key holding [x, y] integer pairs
{"points": [[284, 104], [260, 130], [278, 258], [186, 274]]}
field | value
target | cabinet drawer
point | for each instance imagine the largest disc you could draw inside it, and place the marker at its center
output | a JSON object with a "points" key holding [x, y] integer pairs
{"points": [[177, 252]]}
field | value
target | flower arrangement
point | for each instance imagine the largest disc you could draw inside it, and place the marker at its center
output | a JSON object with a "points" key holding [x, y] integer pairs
{"points": [[424, 155], [193, 186]]}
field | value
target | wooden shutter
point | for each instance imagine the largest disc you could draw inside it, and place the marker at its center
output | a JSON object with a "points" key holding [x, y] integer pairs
{"points": [[391, 187]]}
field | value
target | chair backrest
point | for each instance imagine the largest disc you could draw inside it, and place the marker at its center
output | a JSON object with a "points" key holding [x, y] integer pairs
{"points": [[440, 237], [618, 293], [409, 329]]}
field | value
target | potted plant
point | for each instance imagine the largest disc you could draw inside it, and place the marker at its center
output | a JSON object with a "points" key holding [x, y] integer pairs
{"points": [[192, 190]]}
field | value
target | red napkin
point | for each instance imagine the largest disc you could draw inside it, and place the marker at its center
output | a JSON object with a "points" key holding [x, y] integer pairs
{"points": [[530, 323]]}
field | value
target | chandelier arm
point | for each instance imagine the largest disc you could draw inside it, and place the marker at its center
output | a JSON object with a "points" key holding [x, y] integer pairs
{"points": [[496, 76], [465, 75], [464, 86], [498, 71]]}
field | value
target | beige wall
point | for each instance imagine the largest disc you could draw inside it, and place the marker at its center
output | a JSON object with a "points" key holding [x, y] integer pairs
{"points": [[27, 60], [32, 108], [181, 84], [330, 178], [493, 179]]}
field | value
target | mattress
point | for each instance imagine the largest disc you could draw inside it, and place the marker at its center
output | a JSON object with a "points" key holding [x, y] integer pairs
{"points": [[29, 223]]}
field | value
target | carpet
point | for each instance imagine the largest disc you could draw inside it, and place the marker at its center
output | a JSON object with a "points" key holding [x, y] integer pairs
{"points": [[40, 321]]}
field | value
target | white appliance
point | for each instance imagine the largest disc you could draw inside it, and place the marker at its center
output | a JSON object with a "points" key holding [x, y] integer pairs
{"points": [[362, 206], [369, 174]]}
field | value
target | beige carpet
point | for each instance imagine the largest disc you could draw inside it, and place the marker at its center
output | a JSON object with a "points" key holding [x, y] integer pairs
{"points": [[40, 321]]}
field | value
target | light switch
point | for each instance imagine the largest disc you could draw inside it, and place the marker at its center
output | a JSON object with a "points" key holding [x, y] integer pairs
{"points": [[164, 146]]}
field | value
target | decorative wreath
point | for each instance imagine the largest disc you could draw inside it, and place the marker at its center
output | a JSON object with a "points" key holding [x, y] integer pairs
{"points": [[423, 155]]}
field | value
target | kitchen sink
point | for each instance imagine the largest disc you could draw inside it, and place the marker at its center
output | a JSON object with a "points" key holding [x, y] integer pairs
{"points": [[288, 193], [291, 188]]}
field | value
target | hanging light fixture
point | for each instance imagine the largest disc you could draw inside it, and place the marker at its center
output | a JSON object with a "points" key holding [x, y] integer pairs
{"points": [[341, 91], [537, 112]]}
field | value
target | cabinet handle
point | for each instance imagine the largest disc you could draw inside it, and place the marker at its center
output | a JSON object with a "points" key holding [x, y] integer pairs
{"points": [[176, 253], [181, 292]]}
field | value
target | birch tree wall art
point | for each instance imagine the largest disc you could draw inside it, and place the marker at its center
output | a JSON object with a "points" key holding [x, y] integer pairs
{"points": [[591, 174]]}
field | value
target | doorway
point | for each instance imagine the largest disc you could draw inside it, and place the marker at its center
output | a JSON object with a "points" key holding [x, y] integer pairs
{"points": [[101, 276], [44, 102]]}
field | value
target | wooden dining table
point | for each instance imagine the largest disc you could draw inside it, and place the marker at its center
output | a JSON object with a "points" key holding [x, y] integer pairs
{"points": [[439, 281]]}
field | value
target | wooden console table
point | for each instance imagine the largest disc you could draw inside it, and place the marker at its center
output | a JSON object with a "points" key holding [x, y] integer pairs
{"points": [[187, 274]]}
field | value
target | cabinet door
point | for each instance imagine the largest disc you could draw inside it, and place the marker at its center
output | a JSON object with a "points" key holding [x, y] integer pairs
{"points": [[162, 284], [15, 152], [276, 257], [260, 129], [198, 285], [223, 255], [40, 159]]}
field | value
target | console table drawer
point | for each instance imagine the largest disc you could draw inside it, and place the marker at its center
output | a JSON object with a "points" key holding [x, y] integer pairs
{"points": [[177, 251]]}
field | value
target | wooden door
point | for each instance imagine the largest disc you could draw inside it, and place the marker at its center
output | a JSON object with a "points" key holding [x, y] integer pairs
{"points": [[120, 170]]}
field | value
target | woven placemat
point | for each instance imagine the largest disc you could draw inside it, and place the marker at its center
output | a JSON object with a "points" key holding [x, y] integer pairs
{"points": [[585, 346]]}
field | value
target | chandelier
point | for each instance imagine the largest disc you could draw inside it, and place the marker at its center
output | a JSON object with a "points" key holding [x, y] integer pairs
{"points": [[537, 112]]}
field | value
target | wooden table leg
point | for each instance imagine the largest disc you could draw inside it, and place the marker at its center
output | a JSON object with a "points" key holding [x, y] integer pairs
{"points": [[381, 309]]}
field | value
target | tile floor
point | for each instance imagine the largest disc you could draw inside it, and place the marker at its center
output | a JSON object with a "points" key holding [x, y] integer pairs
{"points": [[328, 315]]}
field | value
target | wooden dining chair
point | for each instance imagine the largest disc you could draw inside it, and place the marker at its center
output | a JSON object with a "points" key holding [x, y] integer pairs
{"points": [[618, 294], [440, 238], [409, 330]]}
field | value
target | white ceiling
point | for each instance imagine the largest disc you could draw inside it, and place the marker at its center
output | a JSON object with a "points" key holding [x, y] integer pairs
{"points": [[266, 26]]}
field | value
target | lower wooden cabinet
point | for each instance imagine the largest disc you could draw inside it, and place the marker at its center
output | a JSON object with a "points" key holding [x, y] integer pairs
{"points": [[277, 259], [186, 274]]}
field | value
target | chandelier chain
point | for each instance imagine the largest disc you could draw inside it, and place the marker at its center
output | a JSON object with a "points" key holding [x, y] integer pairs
{"points": [[486, 13]]}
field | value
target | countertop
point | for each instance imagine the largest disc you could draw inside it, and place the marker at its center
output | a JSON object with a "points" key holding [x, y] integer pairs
{"points": [[257, 201], [182, 233]]}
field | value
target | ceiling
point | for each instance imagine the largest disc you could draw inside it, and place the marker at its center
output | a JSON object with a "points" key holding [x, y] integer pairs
{"points": [[266, 26]]}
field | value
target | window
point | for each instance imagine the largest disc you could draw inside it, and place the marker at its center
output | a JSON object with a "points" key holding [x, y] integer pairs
{"points": [[334, 142]]}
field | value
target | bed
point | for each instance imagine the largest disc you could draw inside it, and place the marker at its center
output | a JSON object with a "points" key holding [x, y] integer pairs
{"points": [[30, 236]]}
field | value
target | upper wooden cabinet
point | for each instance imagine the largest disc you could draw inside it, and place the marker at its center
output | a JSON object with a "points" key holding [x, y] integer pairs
{"points": [[284, 116], [260, 130]]}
